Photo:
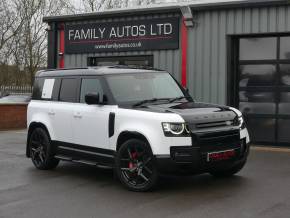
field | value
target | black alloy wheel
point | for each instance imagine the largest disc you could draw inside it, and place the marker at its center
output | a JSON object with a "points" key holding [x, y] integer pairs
{"points": [[41, 150], [136, 167]]}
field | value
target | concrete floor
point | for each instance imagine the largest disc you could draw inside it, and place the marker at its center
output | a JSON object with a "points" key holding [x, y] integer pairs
{"points": [[261, 190]]}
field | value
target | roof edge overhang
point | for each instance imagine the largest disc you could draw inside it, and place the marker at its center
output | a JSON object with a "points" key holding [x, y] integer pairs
{"points": [[162, 9]]}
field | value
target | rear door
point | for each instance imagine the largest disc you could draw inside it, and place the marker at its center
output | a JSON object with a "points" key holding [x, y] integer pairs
{"points": [[62, 111]]}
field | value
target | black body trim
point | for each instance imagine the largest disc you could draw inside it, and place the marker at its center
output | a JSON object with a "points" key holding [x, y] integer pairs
{"points": [[85, 148], [182, 159], [84, 154], [168, 166], [84, 151], [192, 160], [111, 124]]}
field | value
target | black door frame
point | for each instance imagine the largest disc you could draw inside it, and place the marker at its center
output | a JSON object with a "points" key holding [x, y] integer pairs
{"points": [[233, 63]]}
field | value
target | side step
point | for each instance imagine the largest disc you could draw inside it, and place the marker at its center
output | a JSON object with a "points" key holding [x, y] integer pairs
{"points": [[60, 157], [86, 162]]}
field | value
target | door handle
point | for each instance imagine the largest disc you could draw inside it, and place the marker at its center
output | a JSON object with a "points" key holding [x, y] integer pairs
{"points": [[51, 113], [77, 115]]}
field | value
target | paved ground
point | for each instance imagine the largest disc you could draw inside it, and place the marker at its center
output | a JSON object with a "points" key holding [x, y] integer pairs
{"points": [[261, 190]]}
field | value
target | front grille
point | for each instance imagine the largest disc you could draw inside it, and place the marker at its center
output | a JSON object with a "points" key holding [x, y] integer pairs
{"points": [[214, 124], [215, 141], [219, 137]]}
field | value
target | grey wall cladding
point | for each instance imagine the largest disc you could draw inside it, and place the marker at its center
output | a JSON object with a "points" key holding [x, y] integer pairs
{"points": [[207, 49], [163, 59]]}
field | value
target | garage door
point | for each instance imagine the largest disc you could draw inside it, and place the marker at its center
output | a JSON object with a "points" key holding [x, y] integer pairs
{"points": [[264, 87]]}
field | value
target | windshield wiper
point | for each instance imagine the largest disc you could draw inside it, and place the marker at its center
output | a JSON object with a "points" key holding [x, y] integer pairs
{"points": [[178, 98], [149, 101]]}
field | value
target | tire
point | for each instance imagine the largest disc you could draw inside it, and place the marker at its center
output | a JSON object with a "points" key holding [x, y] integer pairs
{"points": [[135, 166], [41, 150], [230, 171]]}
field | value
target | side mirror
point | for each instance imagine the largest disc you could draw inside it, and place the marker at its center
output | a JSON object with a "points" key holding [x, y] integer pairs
{"points": [[186, 90], [92, 98]]}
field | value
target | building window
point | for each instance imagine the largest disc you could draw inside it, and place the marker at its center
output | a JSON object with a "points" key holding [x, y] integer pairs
{"points": [[143, 60], [258, 48]]}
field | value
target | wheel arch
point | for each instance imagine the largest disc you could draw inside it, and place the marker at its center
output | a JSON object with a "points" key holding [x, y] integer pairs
{"points": [[32, 127], [126, 135]]}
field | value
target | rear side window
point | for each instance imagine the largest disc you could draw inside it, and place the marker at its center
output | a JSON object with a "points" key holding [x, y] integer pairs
{"points": [[42, 91], [92, 85], [68, 90], [47, 89]]}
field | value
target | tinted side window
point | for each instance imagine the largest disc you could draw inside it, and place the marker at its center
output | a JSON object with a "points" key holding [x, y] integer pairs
{"points": [[56, 88], [37, 88], [90, 86], [68, 90]]}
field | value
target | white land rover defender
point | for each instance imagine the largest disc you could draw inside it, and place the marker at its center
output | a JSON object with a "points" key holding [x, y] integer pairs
{"points": [[139, 122]]}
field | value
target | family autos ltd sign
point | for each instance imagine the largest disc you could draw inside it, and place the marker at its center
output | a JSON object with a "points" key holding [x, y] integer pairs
{"points": [[137, 35]]}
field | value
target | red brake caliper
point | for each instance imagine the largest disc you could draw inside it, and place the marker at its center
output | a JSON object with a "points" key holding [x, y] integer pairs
{"points": [[134, 157]]}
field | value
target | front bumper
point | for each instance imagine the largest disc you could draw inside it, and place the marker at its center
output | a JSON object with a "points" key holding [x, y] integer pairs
{"points": [[193, 159]]}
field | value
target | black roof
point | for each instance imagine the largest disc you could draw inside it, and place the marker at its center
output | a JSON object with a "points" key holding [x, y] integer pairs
{"points": [[91, 71], [166, 8]]}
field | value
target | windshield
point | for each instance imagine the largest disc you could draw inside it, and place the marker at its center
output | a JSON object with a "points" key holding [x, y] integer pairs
{"points": [[143, 86]]}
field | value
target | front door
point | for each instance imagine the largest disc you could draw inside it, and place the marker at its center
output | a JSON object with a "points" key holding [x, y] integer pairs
{"points": [[90, 122], [264, 87]]}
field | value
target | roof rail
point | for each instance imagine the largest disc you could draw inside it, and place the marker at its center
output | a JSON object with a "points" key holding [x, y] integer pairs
{"points": [[72, 68], [98, 67], [57, 69]]}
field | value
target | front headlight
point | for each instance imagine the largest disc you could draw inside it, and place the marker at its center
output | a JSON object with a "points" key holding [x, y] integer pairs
{"points": [[240, 122], [175, 129]]}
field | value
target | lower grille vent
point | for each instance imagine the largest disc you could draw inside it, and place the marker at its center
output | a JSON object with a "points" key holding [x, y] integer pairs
{"points": [[217, 140]]}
